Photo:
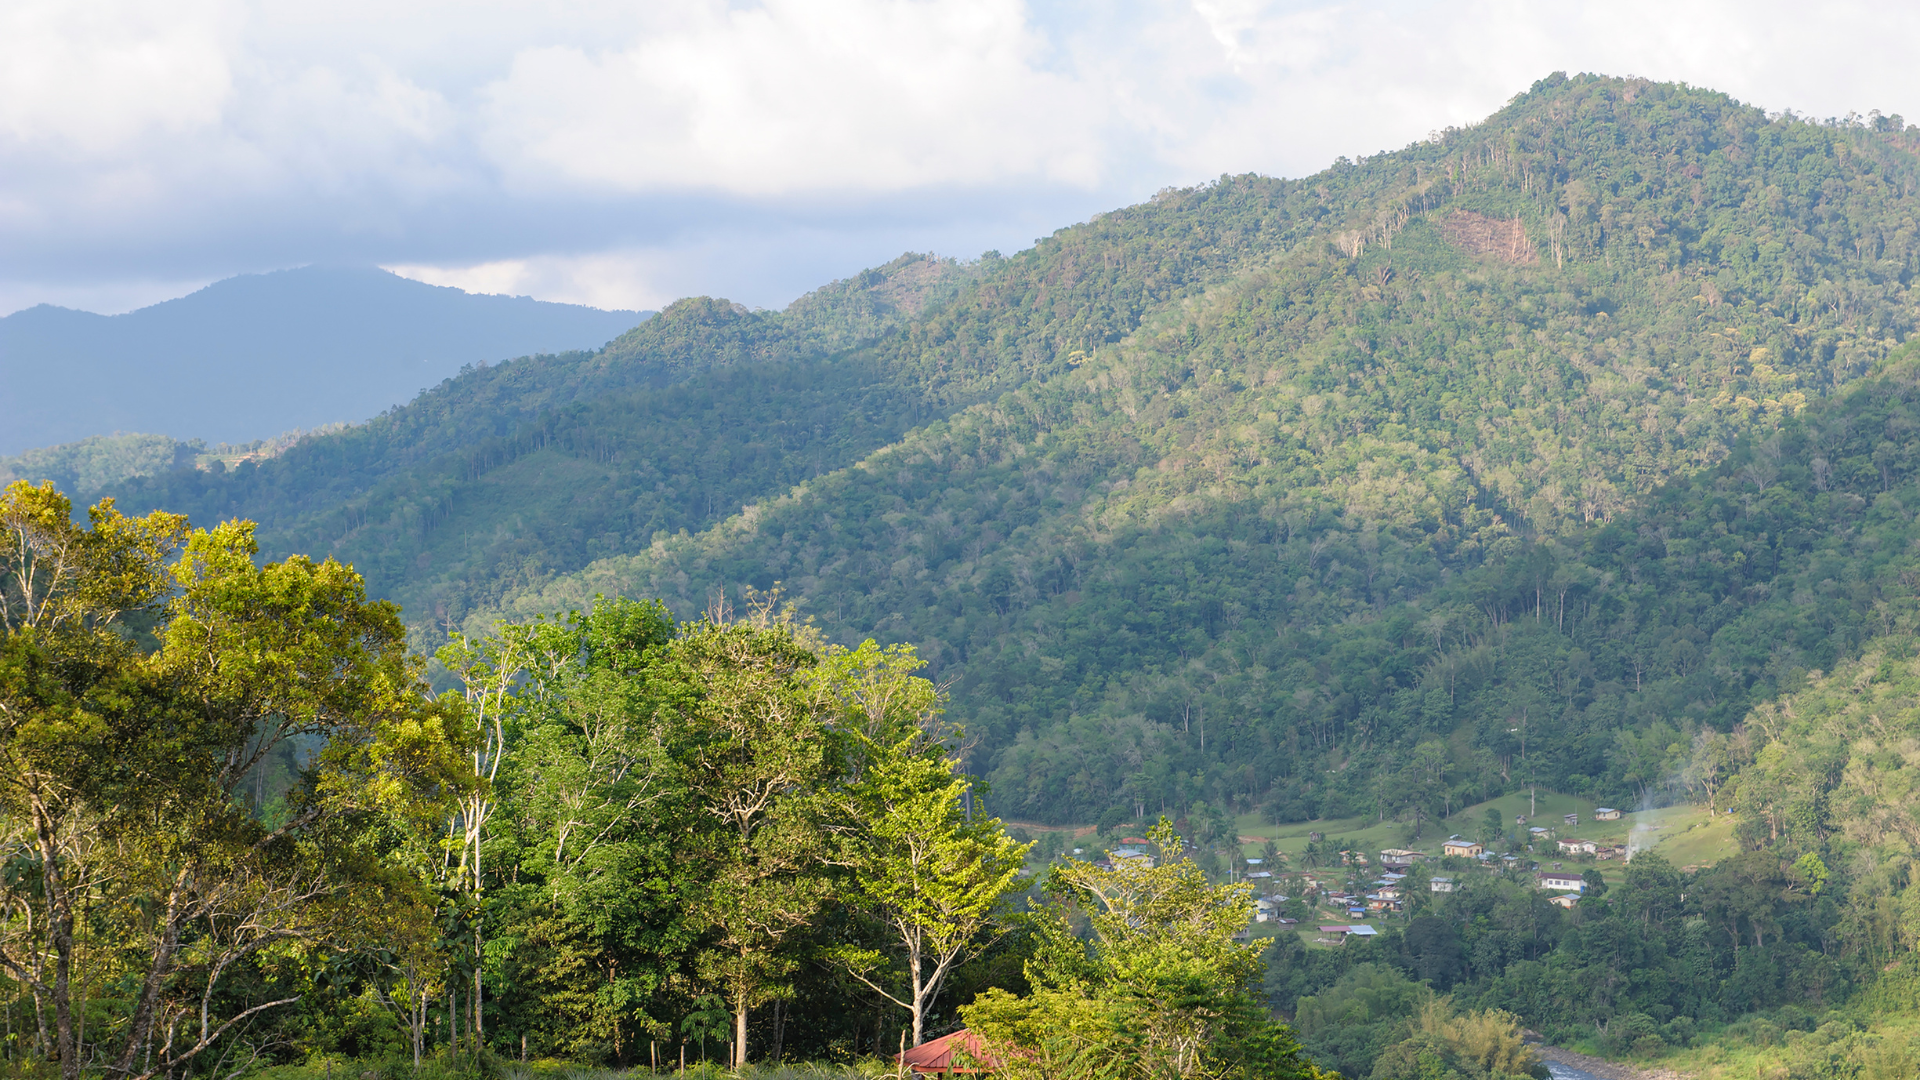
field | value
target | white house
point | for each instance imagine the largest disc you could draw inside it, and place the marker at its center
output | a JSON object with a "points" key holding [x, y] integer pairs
{"points": [[1578, 847], [1562, 881], [1564, 900], [1440, 884], [1605, 813], [1399, 857]]}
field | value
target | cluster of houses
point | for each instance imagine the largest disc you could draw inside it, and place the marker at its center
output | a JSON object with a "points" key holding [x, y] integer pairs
{"points": [[1387, 892]]}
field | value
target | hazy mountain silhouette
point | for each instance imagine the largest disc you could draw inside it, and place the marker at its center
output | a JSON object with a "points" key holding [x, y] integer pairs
{"points": [[255, 355]]}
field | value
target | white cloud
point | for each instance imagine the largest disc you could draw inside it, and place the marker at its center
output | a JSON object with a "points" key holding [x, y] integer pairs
{"points": [[799, 96], [96, 79], [613, 280], [607, 149]]}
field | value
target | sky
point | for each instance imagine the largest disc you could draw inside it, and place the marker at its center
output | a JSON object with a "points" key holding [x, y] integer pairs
{"points": [[625, 154]]}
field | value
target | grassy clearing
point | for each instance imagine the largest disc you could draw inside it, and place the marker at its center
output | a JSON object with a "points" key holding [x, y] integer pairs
{"points": [[1881, 1048], [1684, 835], [1687, 836]]}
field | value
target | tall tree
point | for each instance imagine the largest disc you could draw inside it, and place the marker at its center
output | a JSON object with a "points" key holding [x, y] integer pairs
{"points": [[137, 698], [752, 732], [930, 871]]}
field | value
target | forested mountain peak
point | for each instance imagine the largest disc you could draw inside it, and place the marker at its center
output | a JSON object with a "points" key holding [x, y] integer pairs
{"points": [[1138, 565], [1151, 492]]}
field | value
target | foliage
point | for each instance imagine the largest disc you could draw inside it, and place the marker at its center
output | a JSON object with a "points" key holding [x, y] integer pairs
{"points": [[1443, 1044], [933, 875], [1368, 1008], [97, 462], [149, 678], [1161, 989]]}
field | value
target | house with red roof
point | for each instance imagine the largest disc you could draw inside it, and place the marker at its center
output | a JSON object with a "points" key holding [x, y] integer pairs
{"points": [[959, 1054]]}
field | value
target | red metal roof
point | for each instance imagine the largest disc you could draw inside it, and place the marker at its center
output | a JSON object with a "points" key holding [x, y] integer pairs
{"points": [[937, 1055]]}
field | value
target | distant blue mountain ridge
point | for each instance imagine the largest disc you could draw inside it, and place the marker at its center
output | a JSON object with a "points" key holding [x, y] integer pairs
{"points": [[253, 356]]}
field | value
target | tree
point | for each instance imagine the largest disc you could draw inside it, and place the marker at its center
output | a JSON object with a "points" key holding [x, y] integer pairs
{"points": [[64, 591], [752, 733], [138, 697], [597, 806], [1161, 989], [931, 876], [1482, 1044]]}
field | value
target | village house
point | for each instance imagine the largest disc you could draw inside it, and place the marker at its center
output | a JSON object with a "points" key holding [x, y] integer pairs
{"points": [[959, 1054], [1578, 847], [1564, 900], [1440, 884], [1335, 935], [1462, 847], [1562, 880], [1606, 813]]}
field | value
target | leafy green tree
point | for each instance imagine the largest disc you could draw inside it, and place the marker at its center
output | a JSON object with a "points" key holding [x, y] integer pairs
{"points": [[589, 877], [129, 756], [752, 731], [932, 873], [1475, 1046], [1161, 989]]}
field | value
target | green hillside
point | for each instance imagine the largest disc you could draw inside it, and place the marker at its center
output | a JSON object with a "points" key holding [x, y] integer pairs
{"points": [[1311, 519], [1333, 496]]}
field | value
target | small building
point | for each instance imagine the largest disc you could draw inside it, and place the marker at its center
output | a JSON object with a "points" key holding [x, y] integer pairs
{"points": [[1128, 856], [1462, 847], [1440, 884], [1562, 881], [1564, 900], [1578, 847], [1399, 858], [1334, 935], [1605, 813], [1573, 819], [959, 1054]]}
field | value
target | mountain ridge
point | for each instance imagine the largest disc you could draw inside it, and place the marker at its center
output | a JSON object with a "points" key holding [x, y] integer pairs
{"points": [[252, 356], [1494, 467], [1125, 489]]}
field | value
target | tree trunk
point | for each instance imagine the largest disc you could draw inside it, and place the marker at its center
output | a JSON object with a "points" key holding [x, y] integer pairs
{"points": [[740, 1033], [60, 929], [919, 999], [779, 1028], [140, 1027]]}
